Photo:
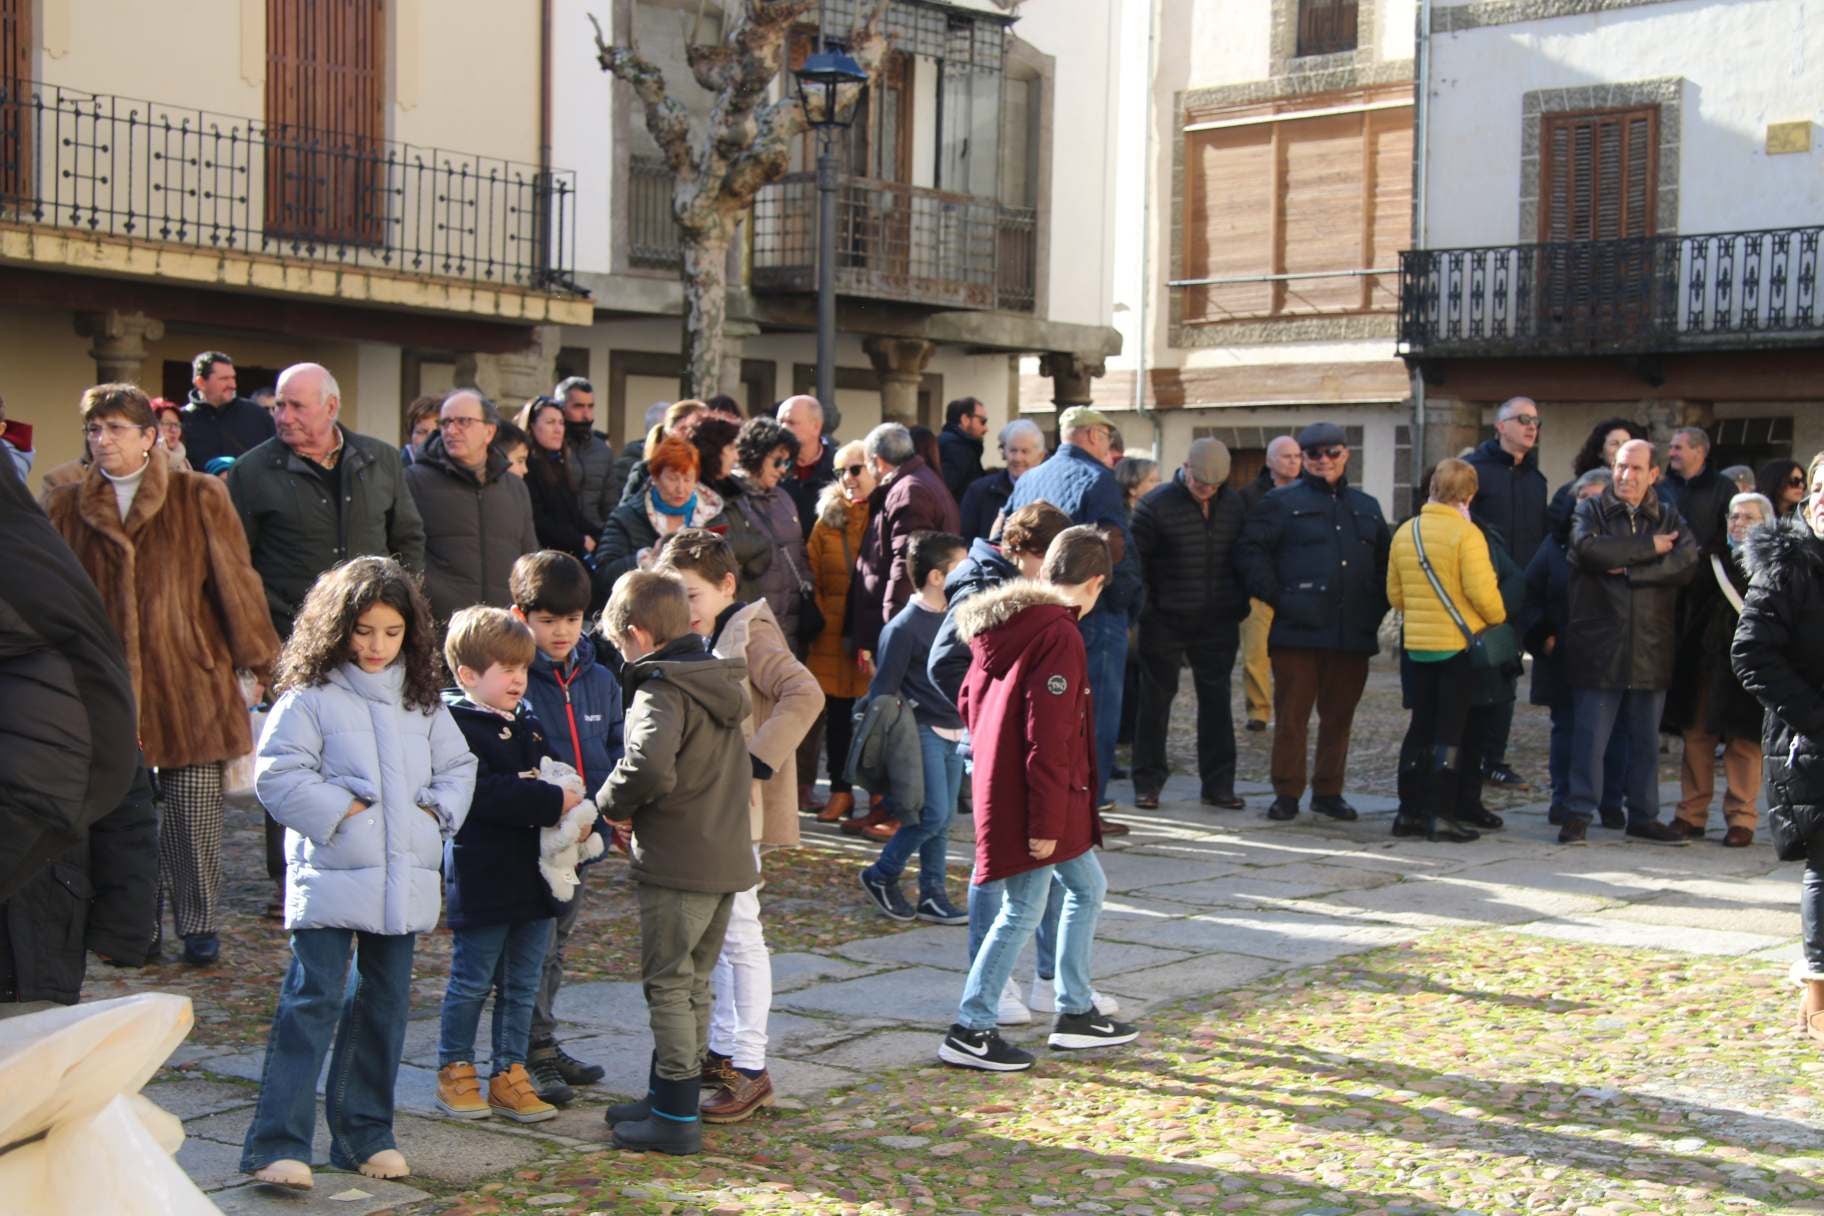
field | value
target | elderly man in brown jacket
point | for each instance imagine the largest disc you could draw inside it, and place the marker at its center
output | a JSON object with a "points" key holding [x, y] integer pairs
{"points": [[910, 498]]}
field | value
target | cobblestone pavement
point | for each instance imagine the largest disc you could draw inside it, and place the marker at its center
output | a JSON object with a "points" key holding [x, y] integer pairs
{"points": [[1334, 1023]]}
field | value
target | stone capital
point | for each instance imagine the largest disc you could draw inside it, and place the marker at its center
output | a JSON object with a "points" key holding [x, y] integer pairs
{"points": [[900, 363], [1071, 376], [118, 342]]}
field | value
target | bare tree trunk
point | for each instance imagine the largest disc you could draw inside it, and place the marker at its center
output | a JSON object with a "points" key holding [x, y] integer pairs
{"points": [[705, 256]]}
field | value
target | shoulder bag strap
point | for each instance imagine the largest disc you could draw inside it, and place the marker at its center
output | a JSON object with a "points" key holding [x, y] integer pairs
{"points": [[1723, 583], [759, 520], [1418, 542]]}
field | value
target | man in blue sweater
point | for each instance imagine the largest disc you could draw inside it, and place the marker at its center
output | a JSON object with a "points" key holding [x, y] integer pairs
{"points": [[577, 702], [1079, 480]]}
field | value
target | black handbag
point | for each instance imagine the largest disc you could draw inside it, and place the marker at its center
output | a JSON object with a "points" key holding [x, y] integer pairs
{"points": [[1493, 648]]}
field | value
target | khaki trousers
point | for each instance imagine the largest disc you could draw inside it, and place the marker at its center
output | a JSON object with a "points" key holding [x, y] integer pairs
{"points": [[1332, 682], [1256, 669], [1741, 779]]}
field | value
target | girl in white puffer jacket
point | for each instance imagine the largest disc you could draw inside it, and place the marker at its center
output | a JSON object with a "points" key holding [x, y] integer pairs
{"points": [[367, 771]]}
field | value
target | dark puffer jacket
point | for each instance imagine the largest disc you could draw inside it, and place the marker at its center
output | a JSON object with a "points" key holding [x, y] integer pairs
{"points": [[296, 530], [1317, 555], [101, 895], [984, 568], [982, 503], [230, 430], [1702, 502], [475, 528], [1623, 626], [1778, 654], [590, 464], [1510, 498], [1186, 557], [962, 458]]}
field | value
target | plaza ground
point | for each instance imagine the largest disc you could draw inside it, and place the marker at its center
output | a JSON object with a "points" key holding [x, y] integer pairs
{"points": [[1334, 1023]]}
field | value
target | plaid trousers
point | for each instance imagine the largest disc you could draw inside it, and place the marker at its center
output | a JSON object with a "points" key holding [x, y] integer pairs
{"points": [[190, 845]]}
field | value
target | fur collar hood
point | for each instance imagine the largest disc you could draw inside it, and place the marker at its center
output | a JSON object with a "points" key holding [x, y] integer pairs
{"points": [[1781, 546], [833, 507], [995, 608]]}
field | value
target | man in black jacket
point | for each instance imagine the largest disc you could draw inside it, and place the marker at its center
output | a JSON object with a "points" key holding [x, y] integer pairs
{"points": [[1283, 465], [960, 444], [1511, 500], [1184, 533], [815, 465], [217, 422], [1699, 492], [1630, 553], [1316, 553]]}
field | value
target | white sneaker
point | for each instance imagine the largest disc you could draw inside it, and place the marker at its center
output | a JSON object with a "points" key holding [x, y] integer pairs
{"points": [[1044, 1000], [1011, 1012]]}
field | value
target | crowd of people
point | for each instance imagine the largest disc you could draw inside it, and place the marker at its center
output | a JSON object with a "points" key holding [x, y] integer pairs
{"points": [[500, 651]]}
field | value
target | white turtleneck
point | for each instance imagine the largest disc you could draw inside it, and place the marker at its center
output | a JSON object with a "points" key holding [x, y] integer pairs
{"points": [[126, 487]]}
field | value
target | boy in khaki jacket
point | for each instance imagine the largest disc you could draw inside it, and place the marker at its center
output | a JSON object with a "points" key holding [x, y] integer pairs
{"points": [[682, 786]]}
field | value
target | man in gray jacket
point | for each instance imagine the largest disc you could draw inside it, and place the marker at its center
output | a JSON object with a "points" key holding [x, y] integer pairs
{"points": [[591, 459]]}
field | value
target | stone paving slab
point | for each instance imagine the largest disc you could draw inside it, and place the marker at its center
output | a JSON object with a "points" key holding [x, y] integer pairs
{"points": [[336, 1194], [1289, 883], [1606, 929], [924, 995], [887, 1049], [1207, 973], [796, 970], [1289, 937], [945, 948], [463, 1151], [193, 1099]]}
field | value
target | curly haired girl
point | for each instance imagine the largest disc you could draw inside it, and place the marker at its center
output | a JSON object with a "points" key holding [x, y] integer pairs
{"points": [[369, 775]]}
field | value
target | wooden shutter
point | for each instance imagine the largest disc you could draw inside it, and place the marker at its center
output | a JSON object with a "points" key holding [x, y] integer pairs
{"points": [[15, 101], [1230, 184], [325, 119], [1327, 27], [1323, 212], [1388, 192], [1599, 174]]}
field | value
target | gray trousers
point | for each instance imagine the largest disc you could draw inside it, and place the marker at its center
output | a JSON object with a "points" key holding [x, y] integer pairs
{"points": [[680, 938], [544, 1020]]}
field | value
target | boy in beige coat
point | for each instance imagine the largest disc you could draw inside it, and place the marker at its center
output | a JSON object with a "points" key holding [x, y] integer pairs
{"points": [[786, 701]]}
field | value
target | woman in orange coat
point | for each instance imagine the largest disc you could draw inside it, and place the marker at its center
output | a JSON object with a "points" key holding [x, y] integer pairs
{"points": [[842, 519]]}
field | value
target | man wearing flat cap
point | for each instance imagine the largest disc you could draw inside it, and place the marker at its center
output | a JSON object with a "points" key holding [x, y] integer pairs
{"points": [[1315, 552], [1078, 481], [1184, 536]]}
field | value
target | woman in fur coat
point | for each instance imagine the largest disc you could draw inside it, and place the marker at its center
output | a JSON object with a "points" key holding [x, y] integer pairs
{"points": [[167, 553]]}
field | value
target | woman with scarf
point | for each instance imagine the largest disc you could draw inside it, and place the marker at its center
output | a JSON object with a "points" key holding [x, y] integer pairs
{"points": [[674, 499]]}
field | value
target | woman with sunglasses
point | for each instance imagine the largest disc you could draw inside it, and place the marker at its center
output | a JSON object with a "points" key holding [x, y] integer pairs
{"points": [[764, 453], [1782, 482], [842, 520]]}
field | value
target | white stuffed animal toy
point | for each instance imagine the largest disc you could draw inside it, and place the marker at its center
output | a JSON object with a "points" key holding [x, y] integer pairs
{"points": [[561, 849]]}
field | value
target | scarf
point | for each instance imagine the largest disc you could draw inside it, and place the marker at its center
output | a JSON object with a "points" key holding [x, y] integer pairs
{"points": [[664, 508]]}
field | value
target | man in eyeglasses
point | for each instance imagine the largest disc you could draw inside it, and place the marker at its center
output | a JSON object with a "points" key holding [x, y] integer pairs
{"points": [[1510, 503], [1315, 552]]}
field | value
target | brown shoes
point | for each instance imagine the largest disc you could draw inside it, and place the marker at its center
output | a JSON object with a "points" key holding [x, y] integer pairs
{"points": [[1687, 831], [510, 1093], [459, 1092], [1738, 837], [837, 809], [875, 825], [738, 1098], [1146, 802], [1107, 826]]}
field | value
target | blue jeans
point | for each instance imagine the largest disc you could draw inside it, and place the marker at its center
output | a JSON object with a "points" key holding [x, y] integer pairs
{"points": [[1558, 764], [507, 960], [1598, 714], [365, 1013], [929, 837], [985, 905], [1022, 907], [1105, 640]]}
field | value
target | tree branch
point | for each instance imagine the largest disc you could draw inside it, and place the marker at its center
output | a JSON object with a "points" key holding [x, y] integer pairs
{"points": [[666, 119]]}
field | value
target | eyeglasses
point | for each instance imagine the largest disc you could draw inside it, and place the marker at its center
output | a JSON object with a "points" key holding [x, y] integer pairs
{"points": [[459, 424], [1527, 420], [94, 430], [854, 470], [782, 462], [1796, 481], [1334, 452]]}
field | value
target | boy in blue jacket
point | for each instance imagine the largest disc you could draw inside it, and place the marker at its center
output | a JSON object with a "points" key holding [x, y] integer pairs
{"points": [[578, 702], [500, 906]]}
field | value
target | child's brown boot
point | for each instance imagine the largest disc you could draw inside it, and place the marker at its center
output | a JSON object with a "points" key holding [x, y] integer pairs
{"points": [[459, 1092], [510, 1093]]}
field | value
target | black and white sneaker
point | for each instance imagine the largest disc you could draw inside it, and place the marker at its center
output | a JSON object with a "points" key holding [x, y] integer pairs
{"points": [[983, 1049], [1082, 1031], [938, 910], [886, 895]]}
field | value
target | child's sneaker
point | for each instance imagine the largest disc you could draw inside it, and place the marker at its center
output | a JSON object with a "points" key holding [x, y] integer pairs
{"points": [[547, 1073], [983, 1049], [510, 1093], [1012, 1011], [1044, 999], [459, 1092], [938, 910], [886, 895], [1082, 1031]]}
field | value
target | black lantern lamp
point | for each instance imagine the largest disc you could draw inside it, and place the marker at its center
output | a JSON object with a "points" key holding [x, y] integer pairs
{"points": [[829, 84]]}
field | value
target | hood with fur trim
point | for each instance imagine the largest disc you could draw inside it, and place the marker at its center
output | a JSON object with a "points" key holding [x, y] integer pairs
{"points": [[1768, 550], [999, 624]]}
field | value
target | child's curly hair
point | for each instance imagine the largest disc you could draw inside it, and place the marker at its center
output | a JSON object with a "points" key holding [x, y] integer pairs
{"points": [[320, 639]]}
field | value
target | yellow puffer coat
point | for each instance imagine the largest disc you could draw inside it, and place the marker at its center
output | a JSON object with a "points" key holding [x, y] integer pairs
{"points": [[832, 570], [1459, 557]]}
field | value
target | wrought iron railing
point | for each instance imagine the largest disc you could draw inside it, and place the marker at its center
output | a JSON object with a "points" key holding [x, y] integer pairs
{"points": [[652, 233], [1728, 290], [96, 163], [897, 242]]}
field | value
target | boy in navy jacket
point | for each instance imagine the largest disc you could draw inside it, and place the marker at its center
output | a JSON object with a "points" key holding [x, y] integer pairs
{"points": [[500, 906], [578, 702]]}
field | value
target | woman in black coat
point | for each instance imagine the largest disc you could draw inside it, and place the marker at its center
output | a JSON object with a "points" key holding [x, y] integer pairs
{"points": [[557, 512], [1778, 654]]}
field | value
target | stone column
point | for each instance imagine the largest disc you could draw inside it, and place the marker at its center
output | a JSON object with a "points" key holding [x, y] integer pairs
{"points": [[526, 373], [734, 344], [1072, 377], [901, 364], [119, 343], [1450, 426]]}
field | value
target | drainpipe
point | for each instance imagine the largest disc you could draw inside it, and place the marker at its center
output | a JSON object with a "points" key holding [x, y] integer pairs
{"points": [[1421, 149], [1143, 312], [542, 192]]}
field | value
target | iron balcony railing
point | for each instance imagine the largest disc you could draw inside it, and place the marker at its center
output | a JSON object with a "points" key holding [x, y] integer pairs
{"points": [[95, 163], [1639, 295], [652, 233], [898, 242]]}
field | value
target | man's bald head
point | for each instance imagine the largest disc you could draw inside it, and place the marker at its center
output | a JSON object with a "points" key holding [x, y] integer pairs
{"points": [[304, 409], [1284, 460], [802, 415]]}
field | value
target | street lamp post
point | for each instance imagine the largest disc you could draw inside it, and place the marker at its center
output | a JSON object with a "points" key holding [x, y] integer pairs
{"points": [[828, 85]]}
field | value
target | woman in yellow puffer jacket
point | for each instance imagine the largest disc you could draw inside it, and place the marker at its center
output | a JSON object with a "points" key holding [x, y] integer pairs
{"points": [[1441, 680]]}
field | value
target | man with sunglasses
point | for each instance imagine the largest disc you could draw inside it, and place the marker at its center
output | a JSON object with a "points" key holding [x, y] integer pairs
{"points": [[1315, 552], [1510, 504]]}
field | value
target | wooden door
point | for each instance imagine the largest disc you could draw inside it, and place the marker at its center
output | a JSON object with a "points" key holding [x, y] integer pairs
{"points": [[325, 119], [1598, 190], [15, 102]]}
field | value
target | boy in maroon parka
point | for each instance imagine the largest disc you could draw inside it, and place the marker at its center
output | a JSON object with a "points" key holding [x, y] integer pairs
{"points": [[1026, 702]]}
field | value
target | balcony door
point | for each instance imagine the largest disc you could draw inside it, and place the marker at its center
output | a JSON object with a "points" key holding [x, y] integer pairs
{"points": [[1598, 194], [15, 102], [325, 120]]}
